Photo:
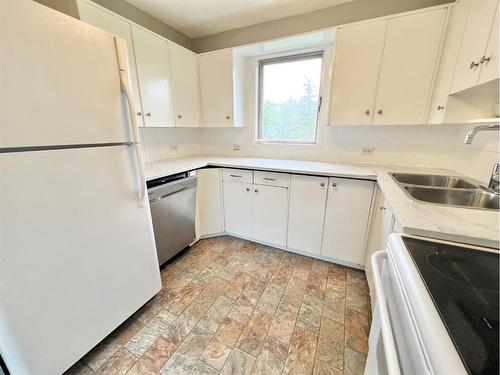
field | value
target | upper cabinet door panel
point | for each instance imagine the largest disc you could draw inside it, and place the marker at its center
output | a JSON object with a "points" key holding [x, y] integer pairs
{"points": [[186, 86], [408, 67], [474, 41], [490, 62], [358, 54], [59, 80], [216, 82], [153, 70], [100, 18]]}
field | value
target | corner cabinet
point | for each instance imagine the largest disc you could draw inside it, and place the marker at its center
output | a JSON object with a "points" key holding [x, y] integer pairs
{"points": [[216, 87], [346, 220], [210, 218], [384, 70]]}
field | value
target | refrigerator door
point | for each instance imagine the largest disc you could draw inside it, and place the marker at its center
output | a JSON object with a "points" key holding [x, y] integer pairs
{"points": [[77, 253], [59, 80]]}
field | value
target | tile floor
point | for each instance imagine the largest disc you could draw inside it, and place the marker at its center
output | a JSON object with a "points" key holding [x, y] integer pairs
{"points": [[230, 306]]}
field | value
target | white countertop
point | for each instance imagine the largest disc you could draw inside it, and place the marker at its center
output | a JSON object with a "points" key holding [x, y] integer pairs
{"points": [[476, 227]]}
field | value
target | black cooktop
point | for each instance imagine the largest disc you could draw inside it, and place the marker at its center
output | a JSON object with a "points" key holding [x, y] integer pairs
{"points": [[463, 284]]}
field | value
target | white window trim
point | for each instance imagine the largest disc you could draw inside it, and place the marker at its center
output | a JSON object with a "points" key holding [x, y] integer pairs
{"points": [[324, 92]]}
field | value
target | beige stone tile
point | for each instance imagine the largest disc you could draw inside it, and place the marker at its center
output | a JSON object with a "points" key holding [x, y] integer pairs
{"points": [[184, 298], [229, 331], [284, 322], [201, 368], [331, 343], [309, 316], [119, 364], [357, 298], [79, 369], [181, 327], [216, 314], [356, 331], [300, 358], [294, 292], [302, 268], [154, 358], [243, 308], [271, 358], [354, 362], [238, 363], [153, 306], [211, 292], [357, 277], [236, 286], [321, 368], [175, 283], [252, 336], [231, 269], [334, 305], [270, 298], [216, 353]]}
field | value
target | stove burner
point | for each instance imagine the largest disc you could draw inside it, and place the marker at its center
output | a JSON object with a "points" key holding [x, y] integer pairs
{"points": [[463, 270]]}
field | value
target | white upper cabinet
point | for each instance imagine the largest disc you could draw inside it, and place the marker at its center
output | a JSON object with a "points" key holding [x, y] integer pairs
{"points": [[475, 46], [489, 61], [307, 212], [216, 83], [153, 70], [186, 86], [408, 68], [346, 219], [98, 17], [358, 55]]}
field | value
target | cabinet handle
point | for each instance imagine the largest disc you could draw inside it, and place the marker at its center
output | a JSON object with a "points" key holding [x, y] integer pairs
{"points": [[235, 175], [139, 113], [367, 112], [440, 107], [179, 116], [322, 184], [382, 208], [248, 189], [473, 65], [256, 190], [228, 117], [148, 114], [334, 184], [484, 59], [380, 111], [269, 179]]}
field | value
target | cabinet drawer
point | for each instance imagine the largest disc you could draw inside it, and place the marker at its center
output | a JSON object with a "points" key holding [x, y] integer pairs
{"points": [[237, 175], [271, 178]]}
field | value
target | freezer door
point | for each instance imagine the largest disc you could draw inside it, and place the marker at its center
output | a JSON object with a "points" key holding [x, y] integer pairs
{"points": [[59, 80], [77, 253]]}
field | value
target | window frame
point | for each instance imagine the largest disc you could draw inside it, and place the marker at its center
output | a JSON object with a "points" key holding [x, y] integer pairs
{"points": [[287, 58]]}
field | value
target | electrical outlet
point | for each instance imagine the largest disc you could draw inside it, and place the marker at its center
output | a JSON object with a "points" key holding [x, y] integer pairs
{"points": [[236, 147], [367, 151], [173, 147]]}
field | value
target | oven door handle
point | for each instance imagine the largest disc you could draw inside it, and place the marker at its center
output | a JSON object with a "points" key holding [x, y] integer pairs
{"points": [[390, 352]]}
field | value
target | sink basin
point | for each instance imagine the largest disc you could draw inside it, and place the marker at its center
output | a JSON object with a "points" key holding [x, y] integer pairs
{"points": [[472, 198], [434, 180]]}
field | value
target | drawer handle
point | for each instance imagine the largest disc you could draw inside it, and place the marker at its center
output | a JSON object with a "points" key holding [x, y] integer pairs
{"points": [[322, 184], [248, 189], [473, 65], [269, 179], [235, 175], [334, 184], [256, 190]]}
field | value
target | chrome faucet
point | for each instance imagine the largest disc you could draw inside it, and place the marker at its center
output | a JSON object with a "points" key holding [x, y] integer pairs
{"points": [[495, 179], [481, 128]]}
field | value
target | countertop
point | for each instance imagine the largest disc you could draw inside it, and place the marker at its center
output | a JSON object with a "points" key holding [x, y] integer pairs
{"points": [[475, 227]]}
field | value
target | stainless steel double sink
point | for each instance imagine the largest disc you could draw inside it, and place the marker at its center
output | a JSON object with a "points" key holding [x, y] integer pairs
{"points": [[447, 190]]}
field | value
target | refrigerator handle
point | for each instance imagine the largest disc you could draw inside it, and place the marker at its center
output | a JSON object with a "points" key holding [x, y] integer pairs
{"points": [[122, 68]]}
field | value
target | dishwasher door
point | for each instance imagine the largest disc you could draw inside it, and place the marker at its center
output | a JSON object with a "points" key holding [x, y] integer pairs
{"points": [[173, 209]]}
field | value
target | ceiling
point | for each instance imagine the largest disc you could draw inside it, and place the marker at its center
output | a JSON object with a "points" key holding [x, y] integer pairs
{"points": [[198, 18]]}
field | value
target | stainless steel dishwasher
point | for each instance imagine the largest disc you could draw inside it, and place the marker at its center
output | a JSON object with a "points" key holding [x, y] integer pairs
{"points": [[173, 208]]}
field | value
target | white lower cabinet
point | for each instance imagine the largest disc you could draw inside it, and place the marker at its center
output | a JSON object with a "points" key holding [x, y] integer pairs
{"points": [[238, 208], [210, 219], [270, 214], [346, 219], [307, 212]]}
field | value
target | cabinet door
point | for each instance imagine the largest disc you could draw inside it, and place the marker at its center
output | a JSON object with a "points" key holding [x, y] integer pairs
{"points": [[209, 202], [238, 208], [216, 83], [489, 69], [408, 65], [358, 53], [186, 86], [270, 214], [153, 70], [474, 41], [110, 23], [346, 219], [307, 212]]}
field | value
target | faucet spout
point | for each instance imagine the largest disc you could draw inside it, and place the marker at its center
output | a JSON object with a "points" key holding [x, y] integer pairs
{"points": [[470, 135]]}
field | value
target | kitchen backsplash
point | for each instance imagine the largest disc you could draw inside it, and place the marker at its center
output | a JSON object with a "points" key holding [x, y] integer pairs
{"points": [[426, 146]]}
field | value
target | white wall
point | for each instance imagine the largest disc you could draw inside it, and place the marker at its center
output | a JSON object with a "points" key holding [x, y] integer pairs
{"points": [[166, 143]]}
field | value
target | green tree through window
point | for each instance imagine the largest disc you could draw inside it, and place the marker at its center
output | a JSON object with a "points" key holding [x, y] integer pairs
{"points": [[289, 94]]}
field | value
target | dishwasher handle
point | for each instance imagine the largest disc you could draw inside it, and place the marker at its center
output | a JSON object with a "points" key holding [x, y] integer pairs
{"points": [[172, 193]]}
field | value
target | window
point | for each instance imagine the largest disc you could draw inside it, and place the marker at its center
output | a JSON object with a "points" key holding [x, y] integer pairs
{"points": [[289, 98]]}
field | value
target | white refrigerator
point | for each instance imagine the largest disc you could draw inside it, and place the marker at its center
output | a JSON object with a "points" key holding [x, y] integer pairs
{"points": [[77, 252]]}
